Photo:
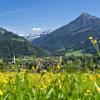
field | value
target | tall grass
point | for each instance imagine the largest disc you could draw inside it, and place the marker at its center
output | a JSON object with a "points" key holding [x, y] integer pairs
{"points": [[58, 86]]}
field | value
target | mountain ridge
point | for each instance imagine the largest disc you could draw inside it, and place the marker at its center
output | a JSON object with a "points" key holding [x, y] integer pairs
{"points": [[71, 36], [31, 37], [12, 44]]}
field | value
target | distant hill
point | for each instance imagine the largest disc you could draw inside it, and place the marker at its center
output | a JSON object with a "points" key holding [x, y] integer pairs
{"points": [[12, 44], [73, 36]]}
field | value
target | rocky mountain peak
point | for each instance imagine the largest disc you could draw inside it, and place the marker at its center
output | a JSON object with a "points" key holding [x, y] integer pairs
{"points": [[87, 16]]}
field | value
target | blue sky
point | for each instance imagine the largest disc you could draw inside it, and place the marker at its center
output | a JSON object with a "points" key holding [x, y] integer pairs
{"points": [[35, 16]]}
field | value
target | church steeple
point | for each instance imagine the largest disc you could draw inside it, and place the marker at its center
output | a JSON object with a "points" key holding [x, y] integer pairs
{"points": [[14, 59]]}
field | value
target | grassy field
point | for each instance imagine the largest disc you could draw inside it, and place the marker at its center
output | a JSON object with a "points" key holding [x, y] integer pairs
{"points": [[48, 85], [77, 53]]}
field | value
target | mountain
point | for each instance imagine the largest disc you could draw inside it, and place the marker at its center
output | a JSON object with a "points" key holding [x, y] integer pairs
{"points": [[12, 44], [32, 37], [73, 36]]}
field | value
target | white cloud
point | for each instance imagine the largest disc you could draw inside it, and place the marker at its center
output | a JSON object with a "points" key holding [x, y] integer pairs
{"points": [[21, 35], [35, 29]]}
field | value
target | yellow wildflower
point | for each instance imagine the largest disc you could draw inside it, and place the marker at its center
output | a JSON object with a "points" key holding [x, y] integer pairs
{"points": [[92, 78], [83, 80], [1, 93], [58, 66], [48, 80], [98, 89], [94, 41], [98, 75], [88, 91], [5, 81], [90, 37]]}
